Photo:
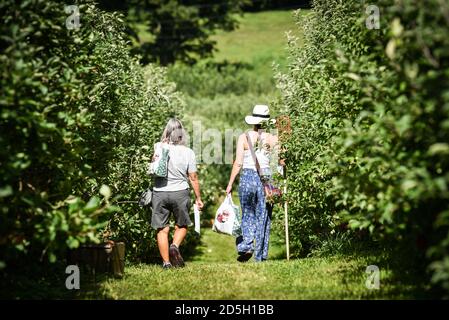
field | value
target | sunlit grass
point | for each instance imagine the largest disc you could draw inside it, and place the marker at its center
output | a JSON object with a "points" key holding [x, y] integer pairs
{"points": [[260, 38], [215, 274], [310, 278]]}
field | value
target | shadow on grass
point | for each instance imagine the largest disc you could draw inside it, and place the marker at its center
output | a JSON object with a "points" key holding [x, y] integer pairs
{"points": [[397, 280], [401, 276], [42, 282]]}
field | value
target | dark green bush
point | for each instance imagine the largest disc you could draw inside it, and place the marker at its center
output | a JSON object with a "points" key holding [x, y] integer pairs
{"points": [[370, 115], [78, 114]]}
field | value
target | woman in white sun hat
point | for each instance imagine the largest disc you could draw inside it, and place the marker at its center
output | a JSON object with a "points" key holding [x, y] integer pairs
{"points": [[256, 212]]}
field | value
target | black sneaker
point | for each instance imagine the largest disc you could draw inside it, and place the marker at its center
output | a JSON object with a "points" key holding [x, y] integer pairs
{"points": [[244, 256], [166, 266], [175, 257]]}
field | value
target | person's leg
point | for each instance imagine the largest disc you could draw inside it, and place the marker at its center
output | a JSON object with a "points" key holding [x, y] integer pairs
{"points": [[261, 217], [180, 201], [266, 231], [248, 205], [159, 221], [175, 255], [162, 243], [180, 234]]}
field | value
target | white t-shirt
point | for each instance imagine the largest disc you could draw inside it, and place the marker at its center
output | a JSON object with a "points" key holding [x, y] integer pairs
{"points": [[181, 162]]}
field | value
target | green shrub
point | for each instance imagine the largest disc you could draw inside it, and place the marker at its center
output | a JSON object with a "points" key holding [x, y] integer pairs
{"points": [[370, 117], [209, 79], [309, 99], [77, 112]]}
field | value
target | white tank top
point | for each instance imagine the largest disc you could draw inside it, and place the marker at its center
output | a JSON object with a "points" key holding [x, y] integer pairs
{"points": [[263, 156]]}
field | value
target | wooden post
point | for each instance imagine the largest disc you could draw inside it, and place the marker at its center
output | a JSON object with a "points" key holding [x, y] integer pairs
{"points": [[100, 258], [283, 125], [287, 240], [118, 259], [286, 225]]}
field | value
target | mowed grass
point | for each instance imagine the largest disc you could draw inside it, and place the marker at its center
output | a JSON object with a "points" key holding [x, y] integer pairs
{"points": [[310, 278], [260, 38], [216, 275], [221, 248]]}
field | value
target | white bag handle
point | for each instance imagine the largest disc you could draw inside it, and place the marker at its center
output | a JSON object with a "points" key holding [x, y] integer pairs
{"points": [[229, 199]]}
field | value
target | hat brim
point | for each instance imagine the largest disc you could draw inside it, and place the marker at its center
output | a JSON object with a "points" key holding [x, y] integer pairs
{"points": [[255, 120]]}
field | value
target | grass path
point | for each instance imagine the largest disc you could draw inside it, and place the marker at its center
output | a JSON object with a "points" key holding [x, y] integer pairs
{"points": [[215, 274]]}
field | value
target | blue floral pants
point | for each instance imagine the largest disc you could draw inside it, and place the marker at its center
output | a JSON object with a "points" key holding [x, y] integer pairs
{"points": [[256, 216]]}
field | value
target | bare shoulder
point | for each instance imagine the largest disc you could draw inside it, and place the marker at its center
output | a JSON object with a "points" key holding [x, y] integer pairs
{"points": [[242, 137]]}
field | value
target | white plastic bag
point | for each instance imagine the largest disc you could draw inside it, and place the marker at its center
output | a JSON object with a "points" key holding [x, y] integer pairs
{"points": [[227, 218], [196, 212]]}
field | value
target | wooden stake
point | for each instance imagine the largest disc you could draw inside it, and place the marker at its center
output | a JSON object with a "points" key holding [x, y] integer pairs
{"points": [[287, 242], [283, 125]]}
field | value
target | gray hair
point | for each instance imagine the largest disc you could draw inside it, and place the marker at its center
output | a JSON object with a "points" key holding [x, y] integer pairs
{"points": [[174, 132]]}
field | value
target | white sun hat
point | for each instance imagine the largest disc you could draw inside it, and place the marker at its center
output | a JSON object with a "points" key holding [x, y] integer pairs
{"points": [[260, 114]]}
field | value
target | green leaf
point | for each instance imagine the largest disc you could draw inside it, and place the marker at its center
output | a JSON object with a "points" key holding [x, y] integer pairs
{"points": [[354, 224], [396, 27], [72, 243], [92, 205], [72, 200], [6, 191], [52, 257], [439, 148], [105, 191]]}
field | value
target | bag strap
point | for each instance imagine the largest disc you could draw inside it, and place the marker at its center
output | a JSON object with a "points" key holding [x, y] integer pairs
{"points": [[253, 154], [229, 198]]}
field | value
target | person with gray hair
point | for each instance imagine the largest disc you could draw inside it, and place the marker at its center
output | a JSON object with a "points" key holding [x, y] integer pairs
{"points": [[171, 194]]}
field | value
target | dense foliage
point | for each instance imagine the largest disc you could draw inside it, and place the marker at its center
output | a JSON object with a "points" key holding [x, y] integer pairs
{"points": [[370, 115], [78, 118], [210, 79]]}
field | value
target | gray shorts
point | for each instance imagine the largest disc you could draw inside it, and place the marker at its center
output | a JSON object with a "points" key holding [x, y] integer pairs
{"points": [[165, 202]]}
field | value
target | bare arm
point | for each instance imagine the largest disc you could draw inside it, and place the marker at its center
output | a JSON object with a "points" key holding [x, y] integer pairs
{"points": [[237, 163], [193, 177]]}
